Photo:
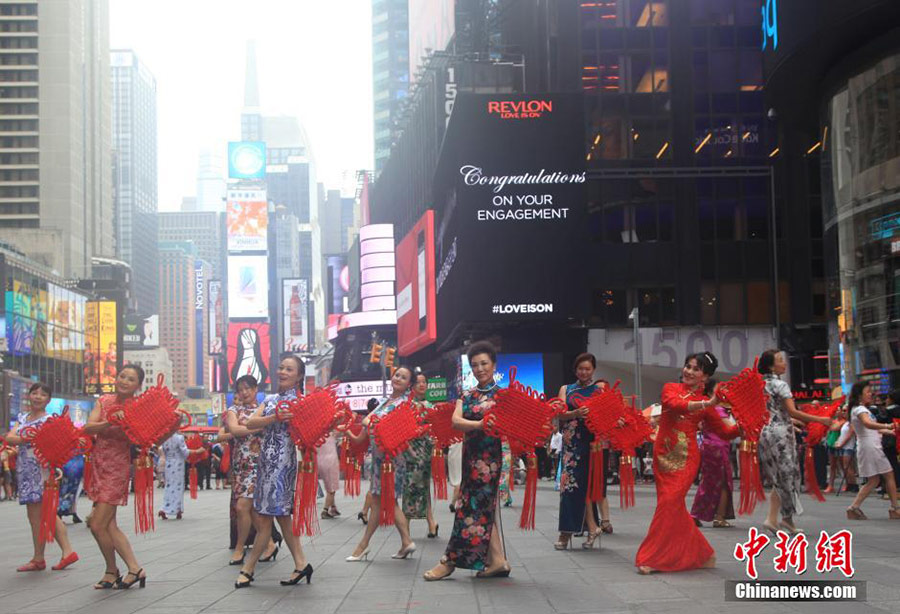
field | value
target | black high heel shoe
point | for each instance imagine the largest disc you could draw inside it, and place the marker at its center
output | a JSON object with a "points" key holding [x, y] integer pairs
{"points": [[274, 554], [237, 562], [306, 572], [249, 577], [122, 585], [362, 517], [437, 528], [106, 584]]}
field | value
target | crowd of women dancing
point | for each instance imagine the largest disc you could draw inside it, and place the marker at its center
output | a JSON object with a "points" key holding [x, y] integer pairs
{"points": [[264, 470]]}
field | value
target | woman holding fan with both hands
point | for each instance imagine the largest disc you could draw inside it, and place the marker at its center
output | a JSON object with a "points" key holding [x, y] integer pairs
{"points": [[31, 477], [400, 384], [474, 543], [276, 477], [673, 542]]}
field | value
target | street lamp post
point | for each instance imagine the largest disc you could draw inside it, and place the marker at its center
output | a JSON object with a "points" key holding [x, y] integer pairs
{"points": [[634, 316]]}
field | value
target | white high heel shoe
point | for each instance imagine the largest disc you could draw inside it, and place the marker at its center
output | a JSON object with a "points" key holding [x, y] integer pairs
{"points": [[364, 555], [405, 552]]}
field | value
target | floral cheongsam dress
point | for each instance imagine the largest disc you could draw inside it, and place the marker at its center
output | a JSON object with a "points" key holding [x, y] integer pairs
{"points": [[377, 455], [277, 472], [575, 464], [29, 473], [481, 463], [244, 456], [417, 475]]}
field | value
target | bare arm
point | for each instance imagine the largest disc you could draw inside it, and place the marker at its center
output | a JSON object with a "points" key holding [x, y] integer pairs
{"points": [[258, 421], [845, 439], [462, 424], [866, 419], [569, 414], [802, 416], [96, 423], [12, 437], [236, 428]]}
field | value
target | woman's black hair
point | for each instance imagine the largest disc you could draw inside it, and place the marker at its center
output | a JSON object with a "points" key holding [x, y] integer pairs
{"points": [[482, 347], [707, 362], [371, 405], [584, 357], [853, 399], [417, 372], [137, 369], [247, 380], [710, 386], [41, 386], [767, 361], [894, 396]]}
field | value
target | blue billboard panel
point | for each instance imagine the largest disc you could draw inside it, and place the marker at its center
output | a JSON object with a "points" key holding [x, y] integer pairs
{"points": [[529, 371], [247, 160]]}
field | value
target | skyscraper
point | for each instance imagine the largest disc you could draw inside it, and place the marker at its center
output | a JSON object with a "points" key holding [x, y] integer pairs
{"points": [[205, 229], [55, 164], [390, 70], [135, 174]]}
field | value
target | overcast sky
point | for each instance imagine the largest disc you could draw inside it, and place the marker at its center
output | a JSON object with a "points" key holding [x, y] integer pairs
{"points": [[314, 59]]}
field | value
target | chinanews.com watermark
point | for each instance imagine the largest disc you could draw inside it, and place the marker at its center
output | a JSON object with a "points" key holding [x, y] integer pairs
{"points": [[833, 555]]}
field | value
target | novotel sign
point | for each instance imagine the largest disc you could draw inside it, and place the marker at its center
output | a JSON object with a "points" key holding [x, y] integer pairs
{"points": [[769, 12]]}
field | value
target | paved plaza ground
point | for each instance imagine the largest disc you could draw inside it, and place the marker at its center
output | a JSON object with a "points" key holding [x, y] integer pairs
{"points": [[186, 564]]}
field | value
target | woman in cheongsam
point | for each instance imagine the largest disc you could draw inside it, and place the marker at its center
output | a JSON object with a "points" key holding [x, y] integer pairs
{"points": [[417, 474], [575, 512], [276, 477], [109, 480], [400, 382], [176, 454], [777, 444], [31, 478], [474, 543], [73, 471]]}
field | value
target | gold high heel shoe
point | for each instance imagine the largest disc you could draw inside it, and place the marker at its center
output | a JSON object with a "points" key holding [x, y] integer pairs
{"points": [[591, 538]]}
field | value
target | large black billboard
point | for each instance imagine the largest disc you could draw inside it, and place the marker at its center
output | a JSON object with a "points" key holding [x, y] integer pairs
{"points": [[510, 196]]}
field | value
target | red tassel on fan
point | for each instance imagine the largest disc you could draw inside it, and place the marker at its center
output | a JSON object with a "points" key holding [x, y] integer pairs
{"points": [[88, 470], [596, 474], [49, 505], [386, 517], [526, 520], [812, 482], [439, 474], [143, 493], [352, 479], [751, 481], [626, 481], [192, 480], [306, 522]]}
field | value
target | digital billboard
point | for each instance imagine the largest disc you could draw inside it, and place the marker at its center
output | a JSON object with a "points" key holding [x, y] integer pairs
{"points": [[247, 220], [416, 296], [247, 160], [248, 351], [140, 333], [216, 317], [295, 315], [512, 174], [248, 287], [529, 371], [199, 311], [101, 355]]}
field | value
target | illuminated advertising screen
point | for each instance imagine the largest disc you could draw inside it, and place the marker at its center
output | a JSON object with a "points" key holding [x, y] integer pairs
{"points": [[248, 287], [416, 322], [21, 326], [357, 394], [294, 315], [512, 174], [248, 351], [529, 371], [247, 220], [101, 355], [247, 160], [216, 317]]}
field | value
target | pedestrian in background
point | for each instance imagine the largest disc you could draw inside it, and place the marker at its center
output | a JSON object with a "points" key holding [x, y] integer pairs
{"points": [[417, 460], [175, 453], [872, 462], [713, 499]]}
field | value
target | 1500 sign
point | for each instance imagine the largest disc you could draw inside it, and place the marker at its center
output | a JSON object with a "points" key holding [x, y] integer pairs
{"points": [[736, 348]]}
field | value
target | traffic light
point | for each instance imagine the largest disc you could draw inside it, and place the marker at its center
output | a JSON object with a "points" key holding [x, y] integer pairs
{"points": [[375, 353], [389, 357]]}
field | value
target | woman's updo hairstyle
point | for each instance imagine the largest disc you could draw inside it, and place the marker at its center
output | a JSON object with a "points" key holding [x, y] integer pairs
{"points": [[767, 361], [707, 362]]}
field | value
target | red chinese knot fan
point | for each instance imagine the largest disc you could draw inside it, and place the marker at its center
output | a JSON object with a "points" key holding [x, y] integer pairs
{"points": [[310, 420], [525, 418], [815, 433], [440, 422], [55, 442], [392, 433], [746, 395]]}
